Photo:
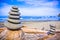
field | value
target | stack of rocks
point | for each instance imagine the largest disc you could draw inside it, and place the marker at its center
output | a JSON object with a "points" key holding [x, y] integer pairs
{"points": [[52, 30], [13, 30], [13, 21]]}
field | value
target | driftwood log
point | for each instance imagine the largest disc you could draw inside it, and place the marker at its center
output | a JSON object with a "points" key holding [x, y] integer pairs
{"points": [[6, 34]]}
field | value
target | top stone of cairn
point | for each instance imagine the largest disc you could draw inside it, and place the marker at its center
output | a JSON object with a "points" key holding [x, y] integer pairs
{"points": [[15, 7]]}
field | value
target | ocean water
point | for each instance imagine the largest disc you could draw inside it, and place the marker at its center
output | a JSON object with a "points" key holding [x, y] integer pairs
{"points": [[33, 18]]}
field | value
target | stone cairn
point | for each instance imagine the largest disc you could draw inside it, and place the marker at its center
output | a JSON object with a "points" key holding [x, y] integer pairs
{"points": [[13, 25], [52, 30], [13, 21]]}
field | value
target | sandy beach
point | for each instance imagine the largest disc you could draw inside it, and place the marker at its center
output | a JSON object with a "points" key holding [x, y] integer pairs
{"points": [[41, 25]]}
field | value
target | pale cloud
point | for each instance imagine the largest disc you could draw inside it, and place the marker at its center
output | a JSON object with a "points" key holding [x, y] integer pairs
{"points": [[41, 11], [40, 3], [40, 7], [36, 11], [5, 9]]}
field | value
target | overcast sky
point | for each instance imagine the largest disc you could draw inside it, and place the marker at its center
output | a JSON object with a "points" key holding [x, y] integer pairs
{"points": [[31, 7]]}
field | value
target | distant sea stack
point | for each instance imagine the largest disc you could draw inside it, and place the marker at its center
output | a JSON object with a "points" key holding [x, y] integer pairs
{"points": [[13, 21]]}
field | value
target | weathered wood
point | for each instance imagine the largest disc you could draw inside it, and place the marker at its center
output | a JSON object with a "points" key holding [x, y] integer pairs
{"points": [[18, 34], [11, 35]]}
